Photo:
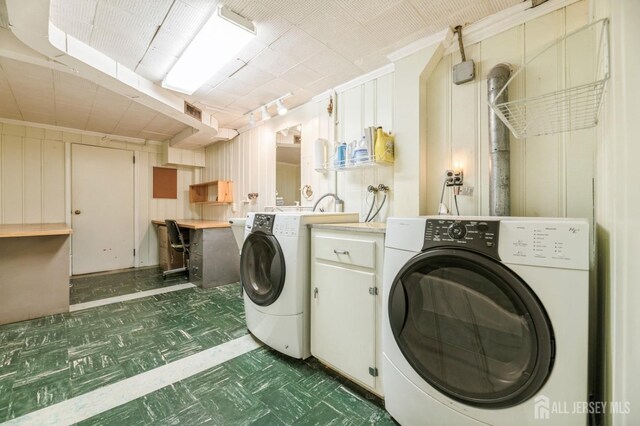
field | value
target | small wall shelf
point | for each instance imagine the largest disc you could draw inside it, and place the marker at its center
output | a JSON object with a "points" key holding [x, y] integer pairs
{"points": [[362, 163], [215, 192], [574, 107]]}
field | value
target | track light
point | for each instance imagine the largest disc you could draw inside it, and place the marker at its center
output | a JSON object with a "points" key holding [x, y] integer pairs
{"points": [[265, 113], [282, 110], [263, 110]]}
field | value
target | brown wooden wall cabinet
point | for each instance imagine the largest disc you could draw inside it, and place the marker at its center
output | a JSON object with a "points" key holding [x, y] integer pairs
{"points": [[213, 192]]}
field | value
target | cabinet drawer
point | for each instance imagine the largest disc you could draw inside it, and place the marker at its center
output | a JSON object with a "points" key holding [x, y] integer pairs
{"points": [[347, 251], [196, 241]]}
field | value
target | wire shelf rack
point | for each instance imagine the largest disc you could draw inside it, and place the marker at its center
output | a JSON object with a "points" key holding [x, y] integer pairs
{"points": [[574, 107], [363, 162]]}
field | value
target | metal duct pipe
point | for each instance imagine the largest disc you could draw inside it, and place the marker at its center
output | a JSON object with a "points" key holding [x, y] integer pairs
{"points": [[499, 167]]}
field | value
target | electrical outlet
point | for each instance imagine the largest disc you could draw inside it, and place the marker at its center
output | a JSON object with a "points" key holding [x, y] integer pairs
{"points": [[466, 190], [453, 178]]}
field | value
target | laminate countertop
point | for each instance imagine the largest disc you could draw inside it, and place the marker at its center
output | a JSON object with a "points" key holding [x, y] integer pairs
{"points": [[34, 230], [196, 223], [377, 227]]}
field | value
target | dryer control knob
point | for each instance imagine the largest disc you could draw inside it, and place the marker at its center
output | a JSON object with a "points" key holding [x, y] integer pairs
{"points": [[457, 231]]}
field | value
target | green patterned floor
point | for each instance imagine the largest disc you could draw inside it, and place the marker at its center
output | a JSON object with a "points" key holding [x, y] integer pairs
{"points": [[259, 388], [52, 359], [95, 287]]}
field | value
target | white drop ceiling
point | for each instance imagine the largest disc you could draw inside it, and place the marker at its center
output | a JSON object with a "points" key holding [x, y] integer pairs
{"points": [[303, 46]]}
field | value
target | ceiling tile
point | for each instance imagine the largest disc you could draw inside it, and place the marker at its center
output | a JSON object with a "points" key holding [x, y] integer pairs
{"points": [[354, 43], [188, 19], [251, 50], [269, 26], [327, 22], [39, 117], [398, 22], [228, 70], [152, 11], [73, 80], [284, 8], [365, 10], [253, 76], [218, 98], [170, 42], [75, 11], [274, 62], [126, 50], [301, 75], [233, 85], [296, 44], [328, 62]]}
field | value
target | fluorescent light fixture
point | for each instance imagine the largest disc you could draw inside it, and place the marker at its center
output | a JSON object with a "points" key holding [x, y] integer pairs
{"points": [[219, 40], [252, 119], [265, 113], [282, 110]]}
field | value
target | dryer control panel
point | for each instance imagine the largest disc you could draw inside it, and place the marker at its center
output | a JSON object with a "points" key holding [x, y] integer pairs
{"points": [[264, 223], [478, 235]]}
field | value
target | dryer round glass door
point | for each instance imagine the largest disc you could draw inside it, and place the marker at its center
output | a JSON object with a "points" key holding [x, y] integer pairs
{"points": [[471, 328], [262, 269]]}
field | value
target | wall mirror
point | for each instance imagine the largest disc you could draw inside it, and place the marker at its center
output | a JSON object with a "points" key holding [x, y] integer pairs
{"points": [[288, 142]]}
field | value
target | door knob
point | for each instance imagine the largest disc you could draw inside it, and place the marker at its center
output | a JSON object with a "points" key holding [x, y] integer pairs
{"points": [[77, 212]]}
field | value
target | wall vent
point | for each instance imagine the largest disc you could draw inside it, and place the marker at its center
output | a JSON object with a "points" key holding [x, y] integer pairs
{"points": [[192, 111]]}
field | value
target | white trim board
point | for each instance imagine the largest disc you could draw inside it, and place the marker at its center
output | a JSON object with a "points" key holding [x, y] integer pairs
{"points": [[90, 404], [131, 296]]}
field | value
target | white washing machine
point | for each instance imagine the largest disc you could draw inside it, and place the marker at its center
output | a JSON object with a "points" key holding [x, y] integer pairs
{"points": [[275, 276], [485, 320]]}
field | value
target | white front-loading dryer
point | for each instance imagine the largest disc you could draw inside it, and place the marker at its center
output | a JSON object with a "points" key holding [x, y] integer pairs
{"points": [[275, 275], [485, 320]]}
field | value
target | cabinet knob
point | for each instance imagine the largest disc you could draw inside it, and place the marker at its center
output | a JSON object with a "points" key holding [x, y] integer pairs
{"points": [[77, 212]]}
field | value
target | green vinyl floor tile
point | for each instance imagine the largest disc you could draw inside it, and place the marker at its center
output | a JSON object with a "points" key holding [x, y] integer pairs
{"points": [[52, 359], [233, 393], [96, 287]]}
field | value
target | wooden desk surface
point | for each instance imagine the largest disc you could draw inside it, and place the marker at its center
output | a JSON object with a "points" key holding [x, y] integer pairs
{"points": [[34, 230], [196, 223]]}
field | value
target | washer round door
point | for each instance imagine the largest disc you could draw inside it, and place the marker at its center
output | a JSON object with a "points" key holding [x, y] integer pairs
{"points": [[471, 328], [262, 268]]}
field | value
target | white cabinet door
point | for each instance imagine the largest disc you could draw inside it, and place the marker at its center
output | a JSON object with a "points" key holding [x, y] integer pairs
{"points": [[343, 320]]}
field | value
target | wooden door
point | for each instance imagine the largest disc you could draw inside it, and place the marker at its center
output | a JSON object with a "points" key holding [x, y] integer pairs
{"points": [[102, 209]]}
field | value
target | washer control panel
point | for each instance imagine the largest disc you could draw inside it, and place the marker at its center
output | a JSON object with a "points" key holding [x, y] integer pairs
{"points": [[478, 235], [264, 223]]}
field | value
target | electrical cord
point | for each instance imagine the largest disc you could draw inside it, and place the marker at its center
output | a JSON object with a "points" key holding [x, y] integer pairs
{"points": [[379, 208], [444, 185], [455, 199]]}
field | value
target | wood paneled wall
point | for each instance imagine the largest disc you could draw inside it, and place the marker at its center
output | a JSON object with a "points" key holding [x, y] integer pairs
{"points": [[249, 159], [35, 184], [550, 175]]}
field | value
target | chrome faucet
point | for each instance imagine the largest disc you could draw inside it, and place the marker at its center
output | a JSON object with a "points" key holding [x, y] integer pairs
{"points": [[339, 204]]}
